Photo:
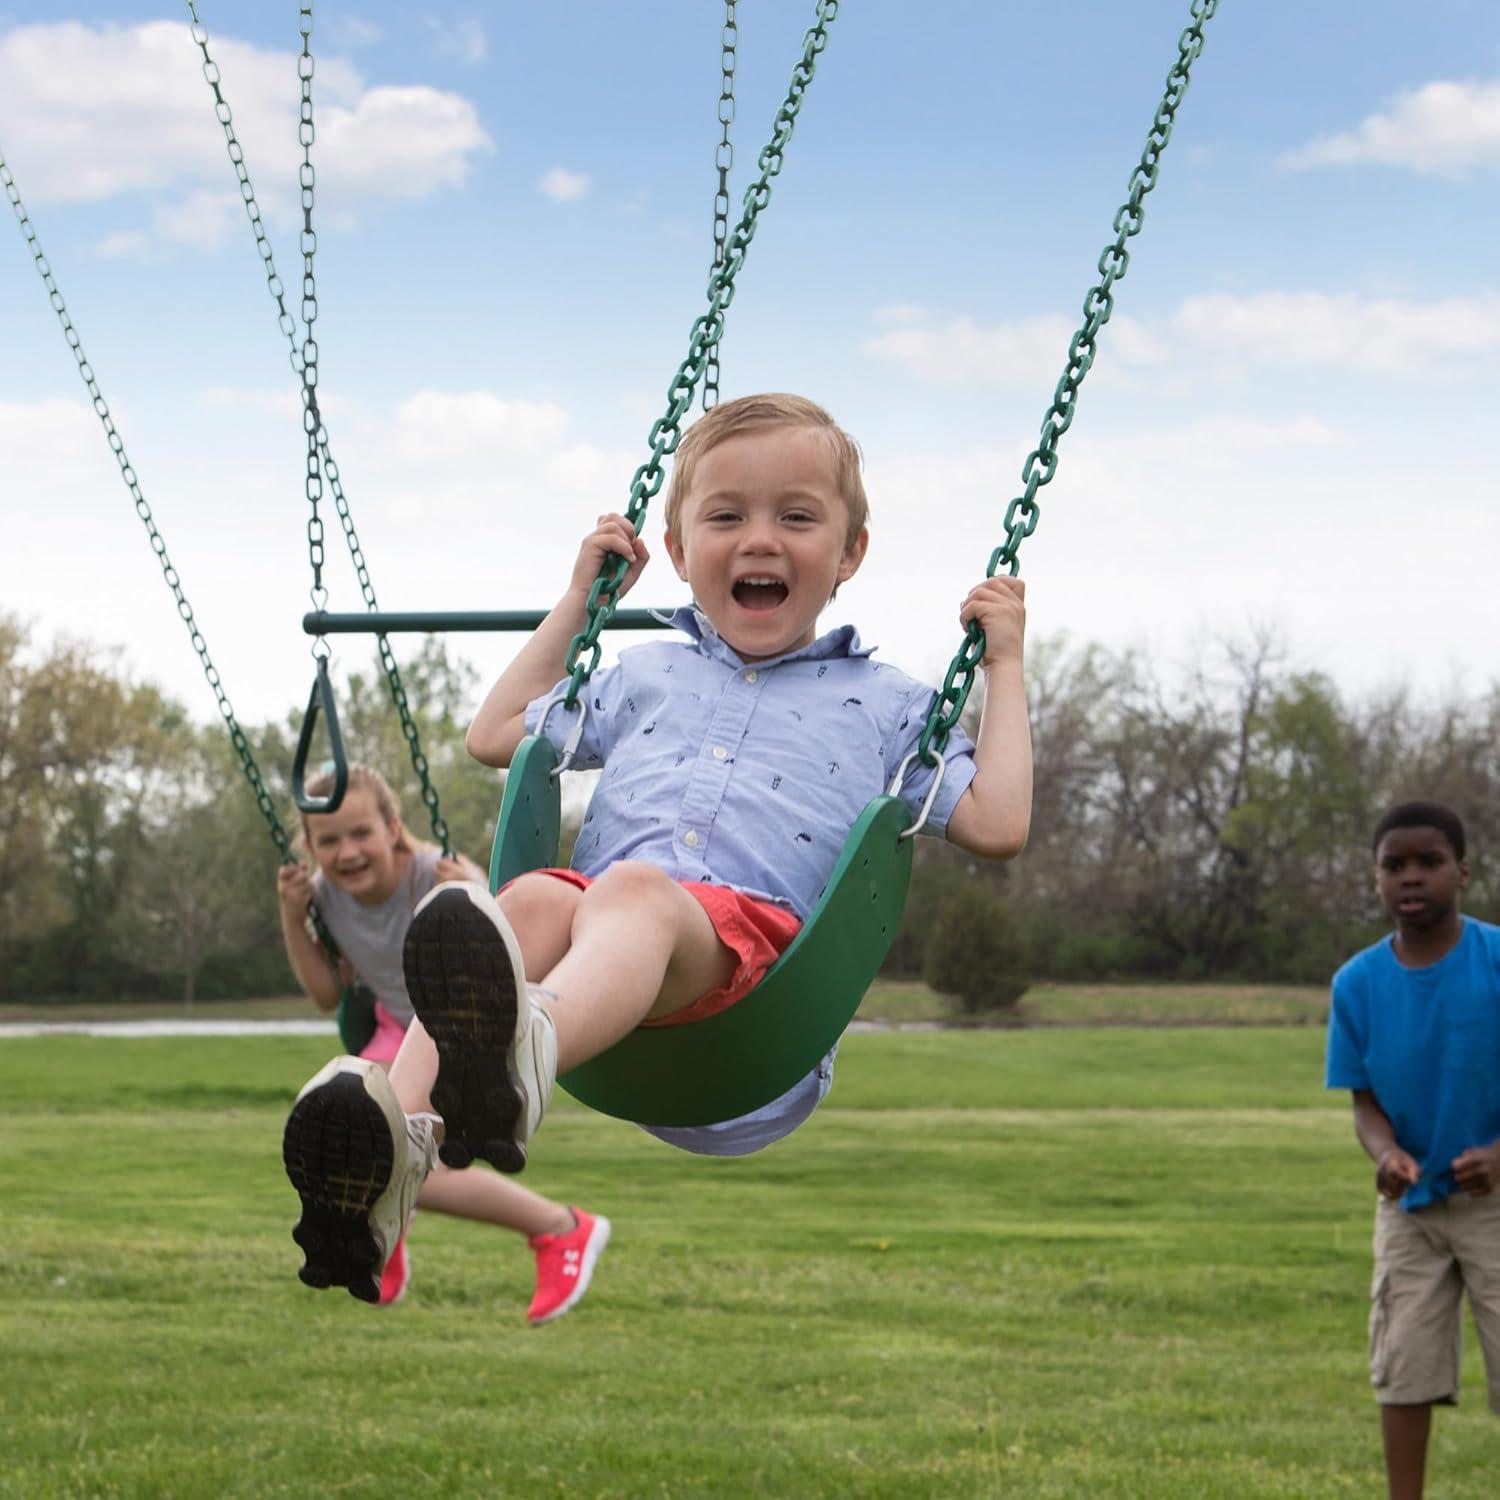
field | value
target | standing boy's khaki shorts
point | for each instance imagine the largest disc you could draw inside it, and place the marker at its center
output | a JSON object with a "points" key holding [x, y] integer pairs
{"points": [[1424, 1263]]}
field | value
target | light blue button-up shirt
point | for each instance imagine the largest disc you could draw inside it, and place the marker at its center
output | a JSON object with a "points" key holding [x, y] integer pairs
{"points": [[747, 774]]}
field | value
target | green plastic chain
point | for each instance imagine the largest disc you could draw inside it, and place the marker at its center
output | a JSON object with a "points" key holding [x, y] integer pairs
{"points": [[707, 331], [1041, 464], [330, 469]]}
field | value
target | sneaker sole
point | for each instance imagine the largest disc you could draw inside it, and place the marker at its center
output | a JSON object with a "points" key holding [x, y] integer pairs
{"points": [[338, 1155], [595, 1248], [462, 982]]}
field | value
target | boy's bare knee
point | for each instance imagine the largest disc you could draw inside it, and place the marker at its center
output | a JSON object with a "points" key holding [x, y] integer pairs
{"points": [[536, 897], [634, 884]]}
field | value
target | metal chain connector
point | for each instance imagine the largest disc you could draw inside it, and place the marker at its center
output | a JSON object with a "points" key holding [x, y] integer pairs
{"points": [[707, 330], [724, 161], [1041, 463], [330, 469]]}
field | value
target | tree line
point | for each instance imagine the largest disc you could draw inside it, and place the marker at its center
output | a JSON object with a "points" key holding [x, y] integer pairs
{"points": [[1206, 821]]}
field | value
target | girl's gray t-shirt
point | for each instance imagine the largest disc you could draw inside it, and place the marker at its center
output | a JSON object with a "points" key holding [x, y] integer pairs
{"points": [[371, 937]]}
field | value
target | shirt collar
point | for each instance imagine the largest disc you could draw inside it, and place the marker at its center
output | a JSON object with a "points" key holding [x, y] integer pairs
{"points": [[842, 641]]}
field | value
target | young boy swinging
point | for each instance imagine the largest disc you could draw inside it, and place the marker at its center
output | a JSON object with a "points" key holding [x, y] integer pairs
{"points": [[734, 763]]}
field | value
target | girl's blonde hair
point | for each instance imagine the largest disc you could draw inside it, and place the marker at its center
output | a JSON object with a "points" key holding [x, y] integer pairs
{"points": [[362, 778], [773, 409]]}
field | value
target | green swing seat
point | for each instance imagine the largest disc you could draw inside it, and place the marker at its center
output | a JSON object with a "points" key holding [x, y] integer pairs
{"points": [[729, 1064]]}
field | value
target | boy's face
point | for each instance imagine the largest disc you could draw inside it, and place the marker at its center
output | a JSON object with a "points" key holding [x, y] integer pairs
{"points": [[763, 538], [1418, 877]]}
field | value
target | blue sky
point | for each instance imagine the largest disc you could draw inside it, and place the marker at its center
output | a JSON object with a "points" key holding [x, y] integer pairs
{"points": [[1291, 421]]}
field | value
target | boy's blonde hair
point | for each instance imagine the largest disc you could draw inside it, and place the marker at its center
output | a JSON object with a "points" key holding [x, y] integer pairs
{"points": [[773, 409], [362, 778]]}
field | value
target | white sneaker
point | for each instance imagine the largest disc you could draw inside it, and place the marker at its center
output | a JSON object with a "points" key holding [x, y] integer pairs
{"points": [[496, 1045], [357, 1162]]}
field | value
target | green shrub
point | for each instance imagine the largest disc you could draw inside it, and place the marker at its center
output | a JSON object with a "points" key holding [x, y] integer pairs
{"points": [[973, 951]]}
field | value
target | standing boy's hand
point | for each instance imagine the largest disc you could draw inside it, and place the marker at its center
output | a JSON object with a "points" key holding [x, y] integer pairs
{"points": [[614, 536], [1477, 1170], [998, 607], [1395, 1172]]}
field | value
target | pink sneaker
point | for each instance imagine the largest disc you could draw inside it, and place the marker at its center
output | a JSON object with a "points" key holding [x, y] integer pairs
{"points": [[565, 1265], [396, 1276]]}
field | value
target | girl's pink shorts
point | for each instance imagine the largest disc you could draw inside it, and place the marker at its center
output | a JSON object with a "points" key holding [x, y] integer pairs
{"points": [[756, 932], [389, 1034]]}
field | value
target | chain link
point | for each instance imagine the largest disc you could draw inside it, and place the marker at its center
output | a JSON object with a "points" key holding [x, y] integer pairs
{"points": [[312, 423], [724, 161], [1098, 304], [237, 735], [666, 431], [330, 469]]}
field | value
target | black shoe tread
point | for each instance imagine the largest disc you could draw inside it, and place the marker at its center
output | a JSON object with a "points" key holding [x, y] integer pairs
{"points": [[338, 1155], [463, 988]]}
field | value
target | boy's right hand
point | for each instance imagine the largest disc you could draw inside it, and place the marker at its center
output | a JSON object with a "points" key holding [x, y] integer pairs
{"points": [[294, 888], [1395, 1172], [614, 536]]}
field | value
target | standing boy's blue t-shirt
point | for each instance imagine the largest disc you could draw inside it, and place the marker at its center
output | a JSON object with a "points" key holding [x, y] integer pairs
{"points": [[1426, 1043]]}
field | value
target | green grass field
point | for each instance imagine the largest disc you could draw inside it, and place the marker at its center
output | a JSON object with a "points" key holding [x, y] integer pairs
{"points": [[1084, 1262]]}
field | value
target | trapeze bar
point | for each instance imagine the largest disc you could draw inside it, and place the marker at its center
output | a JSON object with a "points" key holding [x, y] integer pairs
{"points": [[379, 622]]}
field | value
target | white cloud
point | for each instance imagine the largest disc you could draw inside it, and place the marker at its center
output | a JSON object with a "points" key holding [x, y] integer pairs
{"points": [[1443, 128], [1385, 335], [90, 113], [900, 312], [1211, 337], [563, 186], [284, 405], [469, 429], [461, 39], [1025, 353], [59, 438], [355, 31], [1225, 443]]}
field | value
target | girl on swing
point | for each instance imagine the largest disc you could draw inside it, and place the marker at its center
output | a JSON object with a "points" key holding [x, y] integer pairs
{"points": [[734, 763], [368, 878]]}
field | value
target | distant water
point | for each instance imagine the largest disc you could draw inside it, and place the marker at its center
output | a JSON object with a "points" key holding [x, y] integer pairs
{"points": [[167, 1028]]}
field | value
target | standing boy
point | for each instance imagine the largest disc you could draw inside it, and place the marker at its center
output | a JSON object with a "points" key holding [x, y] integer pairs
{"points": [[1415, 1032]]}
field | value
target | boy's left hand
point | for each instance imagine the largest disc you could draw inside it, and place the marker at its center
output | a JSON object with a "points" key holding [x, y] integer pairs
{"points": [[448, 868], [998, 607], [1477, 1170]]}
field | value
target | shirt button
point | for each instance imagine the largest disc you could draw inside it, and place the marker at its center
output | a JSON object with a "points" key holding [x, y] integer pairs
{"points": [[690, 838], [751, 675], [720, 752]]}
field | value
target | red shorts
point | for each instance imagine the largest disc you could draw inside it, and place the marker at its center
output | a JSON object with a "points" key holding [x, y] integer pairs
{"points": [[756, 932]]}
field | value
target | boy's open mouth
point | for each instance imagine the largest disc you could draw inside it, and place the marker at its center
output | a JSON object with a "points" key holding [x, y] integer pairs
{"points": [[757, 593]]}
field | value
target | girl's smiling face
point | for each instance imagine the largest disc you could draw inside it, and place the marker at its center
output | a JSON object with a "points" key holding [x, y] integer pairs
{"points": [[356, 849], [764, 538]]}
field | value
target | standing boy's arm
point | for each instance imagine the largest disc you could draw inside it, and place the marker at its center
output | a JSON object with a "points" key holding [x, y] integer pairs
{"points": [[993, 816], [1395, 1169], [499, 726]]}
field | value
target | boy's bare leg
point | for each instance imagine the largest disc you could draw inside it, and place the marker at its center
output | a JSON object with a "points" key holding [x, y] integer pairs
{"points": [[1405, 1430], [641, 947]]}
